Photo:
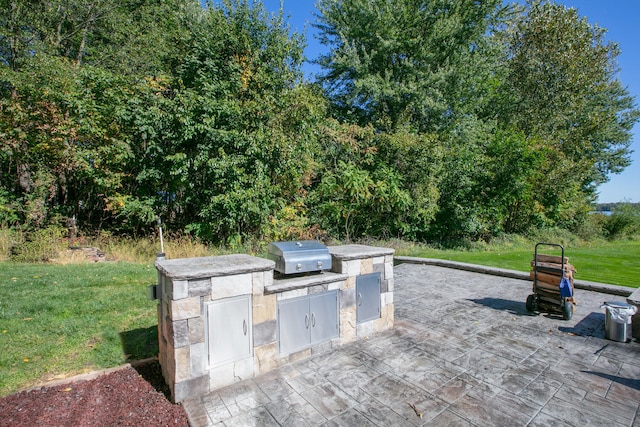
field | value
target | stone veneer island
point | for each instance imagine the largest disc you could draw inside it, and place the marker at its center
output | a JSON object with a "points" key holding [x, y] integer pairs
{"points": [[224, 319]]}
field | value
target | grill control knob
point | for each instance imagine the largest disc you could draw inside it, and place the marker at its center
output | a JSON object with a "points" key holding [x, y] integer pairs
{"points": [[299, 267], [319, 264]]}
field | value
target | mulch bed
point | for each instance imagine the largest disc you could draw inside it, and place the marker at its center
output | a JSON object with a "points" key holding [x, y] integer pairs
{"points": [[126, 397]]}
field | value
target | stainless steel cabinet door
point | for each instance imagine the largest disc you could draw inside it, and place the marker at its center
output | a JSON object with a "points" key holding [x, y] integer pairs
{"points": [[229, 330], [293, 324], [323, 311], [367, 297]]}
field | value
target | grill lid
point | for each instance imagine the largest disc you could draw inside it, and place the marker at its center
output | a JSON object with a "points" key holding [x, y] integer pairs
{"points": [[300, 256]]}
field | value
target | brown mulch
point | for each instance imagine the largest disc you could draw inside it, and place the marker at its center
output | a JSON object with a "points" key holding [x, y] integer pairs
{"points": [[126, 397]]}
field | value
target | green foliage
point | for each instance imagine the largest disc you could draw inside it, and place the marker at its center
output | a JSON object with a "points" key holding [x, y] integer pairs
{"points": [[375, 184], [563, 85], [512, 181], [8, 209], [347, 192], [396, 63], [291, 222], [413, 165], [63, 152], [459, 213], [229, 138], [441, 120], [9, 238], [129, 36], [535, 151], [132, 214], [476, 198], [41, 245], [624, 222], [592, 228]]}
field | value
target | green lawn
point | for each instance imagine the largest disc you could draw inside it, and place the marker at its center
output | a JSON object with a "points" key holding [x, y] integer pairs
{"points": [[64, 319], [615, 263]]}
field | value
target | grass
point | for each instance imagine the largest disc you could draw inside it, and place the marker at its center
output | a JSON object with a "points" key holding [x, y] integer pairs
{"points": [[59, 320], [614, 263]]}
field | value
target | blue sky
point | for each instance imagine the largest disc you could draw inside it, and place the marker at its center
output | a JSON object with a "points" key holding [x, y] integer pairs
{"points": [[619, 17]]}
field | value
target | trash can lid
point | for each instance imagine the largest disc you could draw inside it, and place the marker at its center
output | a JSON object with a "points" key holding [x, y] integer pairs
{"points": [[617, 304]]}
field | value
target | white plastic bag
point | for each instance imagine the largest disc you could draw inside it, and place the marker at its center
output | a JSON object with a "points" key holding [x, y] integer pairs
{"points": [[620, 312]]}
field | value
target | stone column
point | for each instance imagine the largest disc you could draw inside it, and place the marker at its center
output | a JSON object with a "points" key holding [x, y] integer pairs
{"points": [[355, 260], [186, 285]]}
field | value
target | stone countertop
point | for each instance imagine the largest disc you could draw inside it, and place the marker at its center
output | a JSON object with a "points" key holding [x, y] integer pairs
{"points": [[289, 284], [212, 266], [351, 252], [634, 298]]}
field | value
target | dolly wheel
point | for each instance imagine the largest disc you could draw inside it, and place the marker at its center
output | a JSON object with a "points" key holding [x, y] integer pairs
{"points": [[531, 303], [567, 310]]}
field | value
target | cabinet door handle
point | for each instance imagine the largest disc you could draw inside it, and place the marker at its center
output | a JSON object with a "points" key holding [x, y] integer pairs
{"points": [[306, 321], [244, 326], [359, 299], [313, 320]]}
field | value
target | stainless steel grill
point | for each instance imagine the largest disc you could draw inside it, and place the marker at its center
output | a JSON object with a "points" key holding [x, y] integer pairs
{"points": [[299, 257]]}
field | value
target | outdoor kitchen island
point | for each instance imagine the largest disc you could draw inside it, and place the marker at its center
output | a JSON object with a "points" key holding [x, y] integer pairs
{"points": [[227, 318]]}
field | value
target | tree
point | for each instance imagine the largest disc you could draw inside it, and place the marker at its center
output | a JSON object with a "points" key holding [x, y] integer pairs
{"points": [[115, 111], [552, 123], [227, 139], [398, 63], [62, 152], [563, 89], [375, 184], [67, 68], [130, 36]]}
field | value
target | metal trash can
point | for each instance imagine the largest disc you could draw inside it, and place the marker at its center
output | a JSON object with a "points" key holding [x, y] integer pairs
{"points": [[617, 321]]}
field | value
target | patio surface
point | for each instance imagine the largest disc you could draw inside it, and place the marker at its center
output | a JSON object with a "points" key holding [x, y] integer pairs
{"points": [[463, 352]]}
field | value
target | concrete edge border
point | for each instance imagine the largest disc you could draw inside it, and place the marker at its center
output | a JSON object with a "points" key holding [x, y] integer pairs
{"points": [[88, 376], [513, 274]]}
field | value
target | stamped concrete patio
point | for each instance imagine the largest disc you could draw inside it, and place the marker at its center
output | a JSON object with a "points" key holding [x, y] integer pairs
{"points": [[463, 351]]}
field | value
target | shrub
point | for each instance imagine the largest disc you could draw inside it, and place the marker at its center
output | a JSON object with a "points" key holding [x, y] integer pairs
{"points": [[593, 227], [625, 221], [40, 245], [9, 238], [555, 235]]}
